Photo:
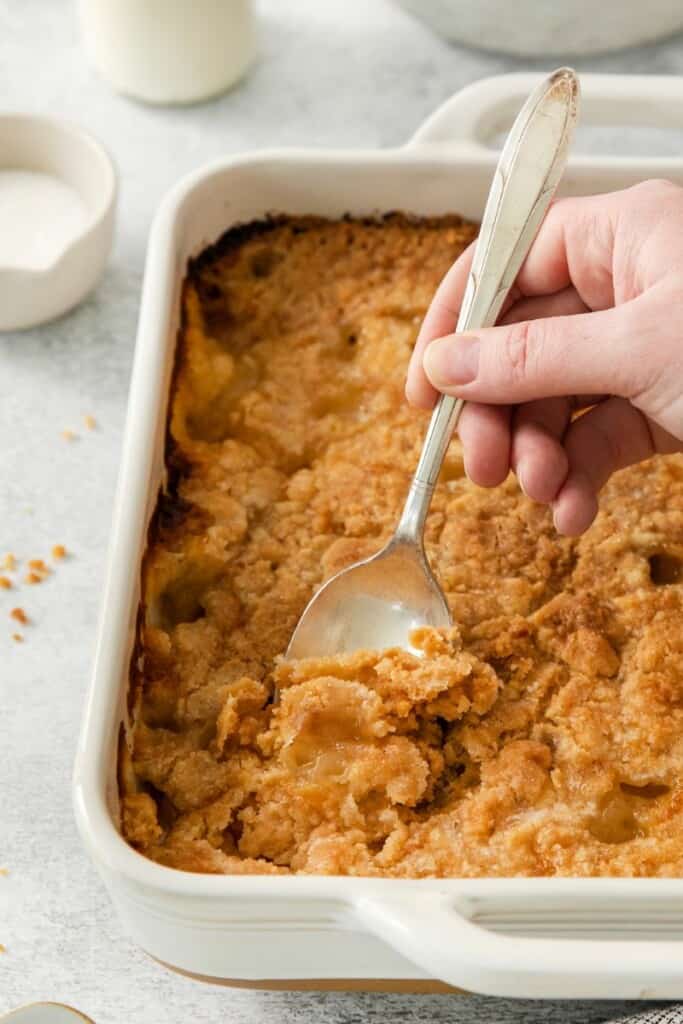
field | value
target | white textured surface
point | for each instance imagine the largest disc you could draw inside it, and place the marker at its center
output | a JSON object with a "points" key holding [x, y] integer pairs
{"points": [[342, 73]]}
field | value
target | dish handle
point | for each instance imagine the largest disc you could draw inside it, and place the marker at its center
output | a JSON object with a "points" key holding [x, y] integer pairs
{"points": [[482, 110], [440, 939]]}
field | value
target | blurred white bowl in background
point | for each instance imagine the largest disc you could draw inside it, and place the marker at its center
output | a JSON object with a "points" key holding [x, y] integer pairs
{"points": [[544, 28]]}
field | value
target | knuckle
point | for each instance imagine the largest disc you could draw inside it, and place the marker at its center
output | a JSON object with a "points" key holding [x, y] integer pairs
{"points": [[664, 185], [517, 350], [652, 364], [650, 197], [614, 447], [655, 187]]}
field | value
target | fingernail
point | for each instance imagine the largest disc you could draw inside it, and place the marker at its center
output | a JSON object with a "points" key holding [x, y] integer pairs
{"points": [[452, 360], [521, 474], [556, 518]]}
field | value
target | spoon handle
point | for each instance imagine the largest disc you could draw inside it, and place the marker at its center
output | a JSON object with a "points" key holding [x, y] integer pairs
{"points": [[528, 172]]}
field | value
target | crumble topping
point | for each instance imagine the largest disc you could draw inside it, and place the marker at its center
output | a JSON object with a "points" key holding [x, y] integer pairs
{"points": [[542, 735]]}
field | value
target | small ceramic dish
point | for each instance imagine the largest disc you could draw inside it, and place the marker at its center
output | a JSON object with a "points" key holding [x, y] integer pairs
{"points": [[57, 202], [45, 1013]]}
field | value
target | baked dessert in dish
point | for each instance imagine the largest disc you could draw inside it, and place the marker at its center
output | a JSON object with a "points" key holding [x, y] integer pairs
{"points": [[541, 735]]}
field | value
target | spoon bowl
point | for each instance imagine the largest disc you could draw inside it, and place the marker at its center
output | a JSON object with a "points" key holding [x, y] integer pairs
{"points": [[386, 596]]}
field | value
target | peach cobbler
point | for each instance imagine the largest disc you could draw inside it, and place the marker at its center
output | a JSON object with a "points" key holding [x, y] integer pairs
{"points": [[541, 735]]}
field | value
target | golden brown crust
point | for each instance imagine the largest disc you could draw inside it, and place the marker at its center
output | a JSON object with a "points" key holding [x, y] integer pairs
{"points": [[542, 736]]}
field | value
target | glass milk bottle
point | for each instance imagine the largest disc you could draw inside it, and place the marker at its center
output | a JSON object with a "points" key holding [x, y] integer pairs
{"points": [[169, 51]]}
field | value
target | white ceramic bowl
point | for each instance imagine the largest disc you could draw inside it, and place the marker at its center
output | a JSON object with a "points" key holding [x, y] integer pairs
{"points": [[30, 295], [45, 1013], [536, 28]]}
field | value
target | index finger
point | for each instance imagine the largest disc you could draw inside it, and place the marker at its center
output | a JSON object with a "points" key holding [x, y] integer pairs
{"points": [[440, 319], [573, 249]]}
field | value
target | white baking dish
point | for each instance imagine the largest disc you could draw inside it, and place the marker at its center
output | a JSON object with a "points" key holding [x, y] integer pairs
{"points": [[527, 937]]}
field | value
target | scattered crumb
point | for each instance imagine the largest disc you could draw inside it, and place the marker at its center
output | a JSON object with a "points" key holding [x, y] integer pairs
{"points": [[90, 422], [4, 872], [58, 552], [9, 562], [19, 615], [39, 571], [5, 583], [18, 638], [69, 435], [2, 948]]}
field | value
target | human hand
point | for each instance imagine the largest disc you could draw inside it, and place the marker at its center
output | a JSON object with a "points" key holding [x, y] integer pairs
{"points": [[593, 323]]}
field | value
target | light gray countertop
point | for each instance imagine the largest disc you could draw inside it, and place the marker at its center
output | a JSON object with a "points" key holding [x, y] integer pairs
{"points": [[339, 73]]}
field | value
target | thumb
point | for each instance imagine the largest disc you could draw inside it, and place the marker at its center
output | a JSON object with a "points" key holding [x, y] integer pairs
{"points": [[587, 354]]}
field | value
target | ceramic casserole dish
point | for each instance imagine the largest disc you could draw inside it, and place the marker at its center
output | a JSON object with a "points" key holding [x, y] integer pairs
{"points": [[548, 937]]}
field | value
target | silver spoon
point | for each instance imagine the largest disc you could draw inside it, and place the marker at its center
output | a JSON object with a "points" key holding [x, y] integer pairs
{"points": [[376, 603]]}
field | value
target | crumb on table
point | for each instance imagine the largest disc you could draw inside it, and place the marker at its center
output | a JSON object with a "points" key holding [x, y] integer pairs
{"points": [[69, 435], [5, 583], [59, 552], [18, 638], [9, 562], [38, 571], [90, 422], [19, 615]]}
